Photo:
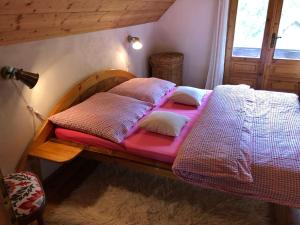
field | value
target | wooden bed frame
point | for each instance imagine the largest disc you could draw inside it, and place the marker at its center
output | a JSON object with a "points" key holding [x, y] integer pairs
{"points": [[46, 146]]}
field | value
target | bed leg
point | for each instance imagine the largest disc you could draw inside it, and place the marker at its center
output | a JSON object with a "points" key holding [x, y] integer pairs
{"points": [[281, 215]]}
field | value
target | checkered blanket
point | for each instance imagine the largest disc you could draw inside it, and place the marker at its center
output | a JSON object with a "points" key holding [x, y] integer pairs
{"points": [[246, 142]]}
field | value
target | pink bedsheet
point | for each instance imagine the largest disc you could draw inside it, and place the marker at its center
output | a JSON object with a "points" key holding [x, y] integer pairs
{"points": [[161, 147], [140, 142], [86, 139]]}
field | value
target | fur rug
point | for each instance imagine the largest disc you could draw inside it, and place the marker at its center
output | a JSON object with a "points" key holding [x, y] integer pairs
{"points": [[117, 196]]}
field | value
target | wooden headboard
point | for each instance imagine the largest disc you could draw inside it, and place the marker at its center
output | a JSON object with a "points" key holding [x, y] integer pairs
{"points": [[97, 82]]}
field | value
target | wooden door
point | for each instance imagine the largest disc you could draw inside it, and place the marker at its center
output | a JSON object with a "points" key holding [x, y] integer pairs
{"points": [[255, 55], [282, 66]]}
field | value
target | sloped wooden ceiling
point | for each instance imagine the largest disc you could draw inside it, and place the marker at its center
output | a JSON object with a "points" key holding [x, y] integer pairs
{"points": [[27, 20]]}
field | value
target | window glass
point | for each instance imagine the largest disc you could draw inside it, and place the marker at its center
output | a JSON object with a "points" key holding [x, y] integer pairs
{"points": [[288, 46], [249, 28]]}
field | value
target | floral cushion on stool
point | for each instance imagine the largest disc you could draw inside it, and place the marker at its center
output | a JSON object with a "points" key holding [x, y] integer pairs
{"points": [[25, 192]]}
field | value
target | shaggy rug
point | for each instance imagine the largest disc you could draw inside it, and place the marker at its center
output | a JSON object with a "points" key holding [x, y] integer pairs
{"points": [[116, 196]]}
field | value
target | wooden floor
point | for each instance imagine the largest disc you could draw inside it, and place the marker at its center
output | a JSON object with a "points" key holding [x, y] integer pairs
{"points": [[70, 176]]}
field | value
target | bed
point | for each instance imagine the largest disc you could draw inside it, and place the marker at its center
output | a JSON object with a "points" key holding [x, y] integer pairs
{"points": [[45, 146], [263, 173]]}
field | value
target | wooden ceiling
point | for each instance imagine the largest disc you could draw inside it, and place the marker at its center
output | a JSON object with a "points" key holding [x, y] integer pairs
{"points": [[28, 20]]}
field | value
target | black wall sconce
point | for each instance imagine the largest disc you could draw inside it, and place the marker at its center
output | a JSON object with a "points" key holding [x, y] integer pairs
{"points": [[28, 78]]}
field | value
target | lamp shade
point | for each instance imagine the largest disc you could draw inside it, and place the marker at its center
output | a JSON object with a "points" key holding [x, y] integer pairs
{"points": [[135, 42], [28, 78], [137, 45]]}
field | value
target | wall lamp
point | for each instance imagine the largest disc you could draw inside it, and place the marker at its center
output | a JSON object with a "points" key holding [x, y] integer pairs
{"points": [[28, 78], [135, 42]]}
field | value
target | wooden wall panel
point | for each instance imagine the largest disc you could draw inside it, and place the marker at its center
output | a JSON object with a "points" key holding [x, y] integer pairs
{"points": [[27, 20], [280, 85], [56, 6], [284, 75], [243, 71], [244, 67], [285, 71]]}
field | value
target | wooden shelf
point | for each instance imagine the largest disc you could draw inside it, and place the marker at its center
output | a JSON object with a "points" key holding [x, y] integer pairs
{"points": [[56, 152]]}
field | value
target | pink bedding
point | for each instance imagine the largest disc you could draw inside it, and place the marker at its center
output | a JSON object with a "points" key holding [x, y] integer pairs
{"points": [[227, 119], [270, 138], [105, 115], [86, 139], [140, 142], [271, 146], [161, 147]]}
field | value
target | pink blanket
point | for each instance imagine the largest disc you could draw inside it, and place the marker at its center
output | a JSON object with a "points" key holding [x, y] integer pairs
{"points": [[270, 141], [219, 144]]}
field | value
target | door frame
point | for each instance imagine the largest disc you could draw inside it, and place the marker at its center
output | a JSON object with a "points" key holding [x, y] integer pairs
{"points": [[264, 72]]}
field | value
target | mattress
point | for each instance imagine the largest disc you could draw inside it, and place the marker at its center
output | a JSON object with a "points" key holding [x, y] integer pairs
{"points": [[86, 139], [141, 142]]}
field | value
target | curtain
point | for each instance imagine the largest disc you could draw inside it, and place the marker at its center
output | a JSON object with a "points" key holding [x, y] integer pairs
{"points": [[217, 58]]}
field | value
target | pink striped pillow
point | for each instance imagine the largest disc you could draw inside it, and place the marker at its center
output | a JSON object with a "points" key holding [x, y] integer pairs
{"points": [[145, 89], [104, 114]]}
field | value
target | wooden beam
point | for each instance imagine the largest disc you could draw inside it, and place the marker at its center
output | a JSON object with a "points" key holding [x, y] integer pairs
{"points": [[20, 28], [136, 165], [28, 20], [52, 6], [90, 152]]}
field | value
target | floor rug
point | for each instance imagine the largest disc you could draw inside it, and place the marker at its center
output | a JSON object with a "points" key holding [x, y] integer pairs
{"points": [[116, 196]]}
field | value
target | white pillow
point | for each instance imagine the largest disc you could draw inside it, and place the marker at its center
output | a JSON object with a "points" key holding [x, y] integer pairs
{"points": [[188, 95], [167, 123]]}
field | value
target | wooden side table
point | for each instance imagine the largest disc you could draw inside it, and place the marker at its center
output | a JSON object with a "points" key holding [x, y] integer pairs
{"points": [[167, 66]]}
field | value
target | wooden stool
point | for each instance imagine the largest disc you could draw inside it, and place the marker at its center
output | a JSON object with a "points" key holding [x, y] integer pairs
{"points": [[26, 196]]}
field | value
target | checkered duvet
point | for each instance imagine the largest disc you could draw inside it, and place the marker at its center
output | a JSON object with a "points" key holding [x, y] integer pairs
{"points": [[246, 142]]}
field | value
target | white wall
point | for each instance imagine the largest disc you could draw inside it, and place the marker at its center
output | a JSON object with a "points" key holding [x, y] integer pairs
{"points": [[187, 27], [61, 62]]}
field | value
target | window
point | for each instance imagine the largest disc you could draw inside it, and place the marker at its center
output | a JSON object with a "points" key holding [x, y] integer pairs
{"points": [[288, 43], [263, 44], [249, 28]]}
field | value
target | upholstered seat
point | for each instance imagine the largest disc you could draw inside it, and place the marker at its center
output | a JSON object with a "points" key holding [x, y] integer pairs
{"points": [[26, 196], [25, 192]]}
